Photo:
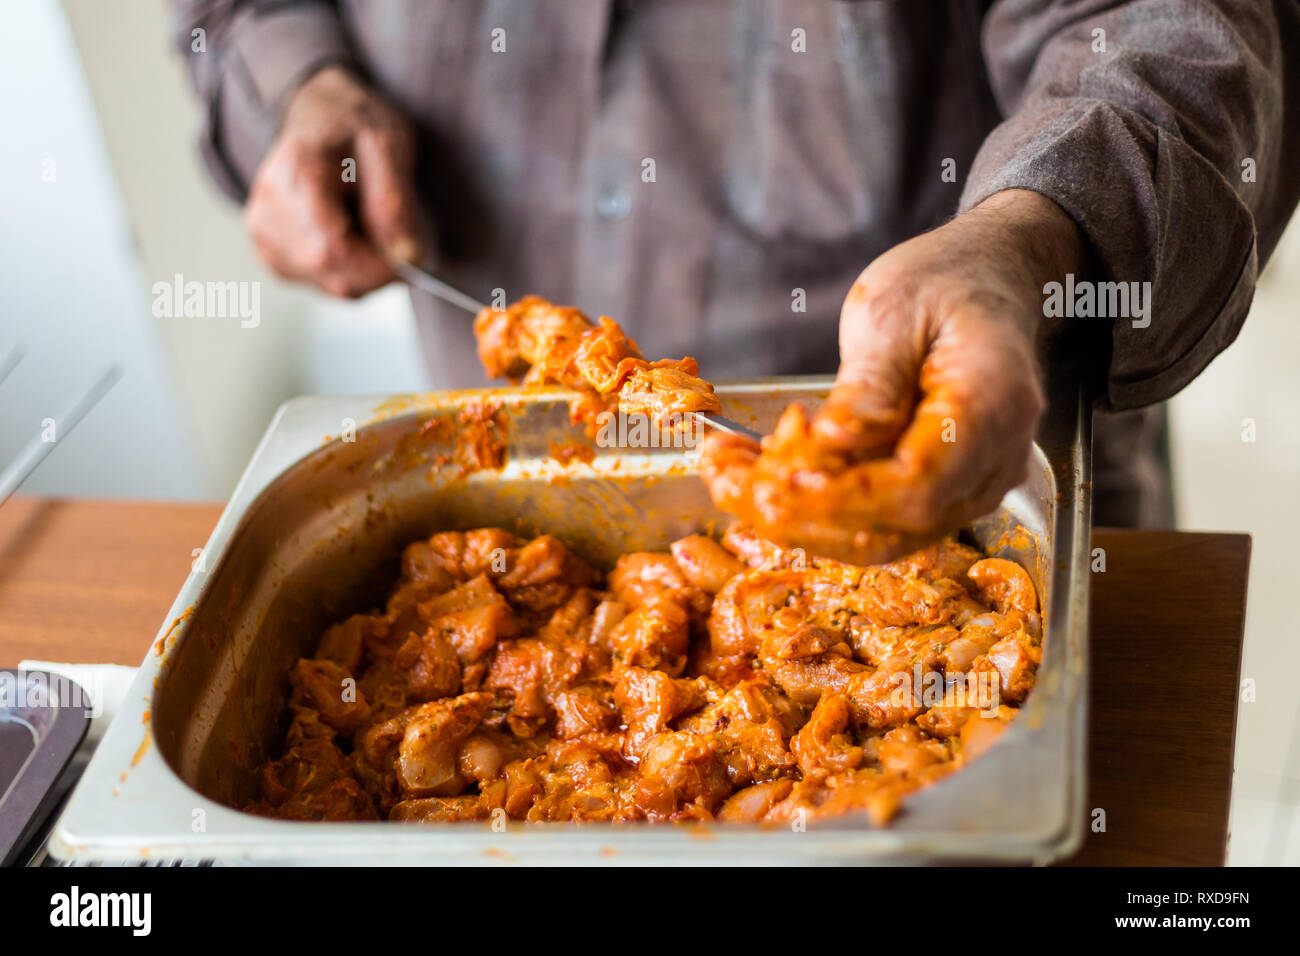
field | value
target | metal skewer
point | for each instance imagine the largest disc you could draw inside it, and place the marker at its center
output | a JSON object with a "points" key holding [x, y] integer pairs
{"points": [[422, 280], [34, 452], [436, 287], [11, 361]]}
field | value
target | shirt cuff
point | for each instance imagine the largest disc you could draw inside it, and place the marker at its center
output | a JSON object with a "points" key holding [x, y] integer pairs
{"points": [[1153, 211], [268, 55]]}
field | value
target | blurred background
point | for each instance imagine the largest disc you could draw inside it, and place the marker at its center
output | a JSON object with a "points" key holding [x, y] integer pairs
{"points": [[103, 194]]}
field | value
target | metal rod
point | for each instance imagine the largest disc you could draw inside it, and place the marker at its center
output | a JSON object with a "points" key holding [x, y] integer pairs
{"points": [[436, 287], [11, 361], [724, 424], [422, 280], [34, 452]]}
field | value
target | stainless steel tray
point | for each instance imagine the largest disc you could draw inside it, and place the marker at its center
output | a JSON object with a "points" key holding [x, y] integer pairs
{"points": [[312, 533]]}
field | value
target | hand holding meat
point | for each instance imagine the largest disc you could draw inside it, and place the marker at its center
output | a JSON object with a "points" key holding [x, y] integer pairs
{"points": [[938, 394]]}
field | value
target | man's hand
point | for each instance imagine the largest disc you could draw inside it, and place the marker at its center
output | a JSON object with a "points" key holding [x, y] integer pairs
{"points": [[938, 372], [938, 394], [307, 221]]}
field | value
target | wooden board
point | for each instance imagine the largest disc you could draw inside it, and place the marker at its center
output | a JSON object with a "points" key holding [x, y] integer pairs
{"points": [[90, 581], [1166, 630]]}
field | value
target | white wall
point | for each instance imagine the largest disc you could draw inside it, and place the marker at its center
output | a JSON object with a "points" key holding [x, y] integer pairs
{"points": [[101, 91], [1227, 484], [71, 288]]}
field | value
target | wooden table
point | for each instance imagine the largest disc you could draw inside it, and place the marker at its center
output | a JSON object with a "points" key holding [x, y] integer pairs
{"points": [[91, 581]]}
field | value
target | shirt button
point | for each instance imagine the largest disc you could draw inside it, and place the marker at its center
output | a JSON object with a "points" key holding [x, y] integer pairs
{"points": [[613, 203]]}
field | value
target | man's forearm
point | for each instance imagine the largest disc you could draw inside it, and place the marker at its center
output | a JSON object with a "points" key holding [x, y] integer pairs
{"points": [[1049, 242], [1158, 126]]}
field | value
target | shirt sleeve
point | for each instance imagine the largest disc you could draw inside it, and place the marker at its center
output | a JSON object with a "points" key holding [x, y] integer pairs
{"points": [[1167, 129], [246, 57]]}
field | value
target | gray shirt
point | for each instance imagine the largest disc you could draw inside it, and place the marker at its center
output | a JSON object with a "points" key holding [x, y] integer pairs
{"points": [[714, 173]]}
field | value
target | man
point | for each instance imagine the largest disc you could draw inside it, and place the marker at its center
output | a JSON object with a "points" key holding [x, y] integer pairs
{"points": [[715, 175]]}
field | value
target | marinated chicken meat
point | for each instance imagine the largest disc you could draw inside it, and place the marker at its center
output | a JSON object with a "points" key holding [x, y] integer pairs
{"points": [[840, 490], [799, 490], [539, 343], [732, 681]]}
